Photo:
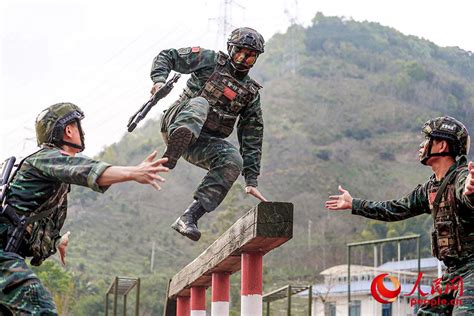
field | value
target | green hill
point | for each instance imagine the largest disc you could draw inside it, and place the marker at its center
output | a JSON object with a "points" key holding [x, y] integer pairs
{"points": [[343, 103]]}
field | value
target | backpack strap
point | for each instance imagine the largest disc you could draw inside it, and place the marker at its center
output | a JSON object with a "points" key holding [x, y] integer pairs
{"points": [[439, 194], [222, 58], [7, 186]]}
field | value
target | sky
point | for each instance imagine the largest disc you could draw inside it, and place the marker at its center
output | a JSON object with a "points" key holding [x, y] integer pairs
{"points": [[97, 54]]}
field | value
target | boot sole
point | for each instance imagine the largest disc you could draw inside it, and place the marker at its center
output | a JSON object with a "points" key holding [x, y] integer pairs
{"points": [[177, 144], [180, 230]]}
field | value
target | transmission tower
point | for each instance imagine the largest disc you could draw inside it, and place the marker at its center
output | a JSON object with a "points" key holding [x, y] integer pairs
{"points": [[224, 21]]}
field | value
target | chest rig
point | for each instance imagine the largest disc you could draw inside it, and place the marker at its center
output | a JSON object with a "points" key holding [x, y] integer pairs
{"points": [[37, 234], [227, 98], [450, 239], [46, 223]]}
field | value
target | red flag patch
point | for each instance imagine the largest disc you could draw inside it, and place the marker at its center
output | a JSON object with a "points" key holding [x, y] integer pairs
{"points": [[229, 93], [195, 49]]}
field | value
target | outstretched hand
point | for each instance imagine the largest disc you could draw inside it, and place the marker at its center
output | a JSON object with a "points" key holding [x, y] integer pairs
{"points": [[253, 191], [62, 247], [469, 186], [340, 202], [147, 171]]}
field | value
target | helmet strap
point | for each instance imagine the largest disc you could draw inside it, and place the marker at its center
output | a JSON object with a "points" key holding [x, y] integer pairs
{"points": [[73, 145], [427, 155], [63, 142]]}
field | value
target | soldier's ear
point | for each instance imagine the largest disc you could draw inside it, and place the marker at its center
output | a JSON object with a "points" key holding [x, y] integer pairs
{"points": [[69, 130], [444, 146]]}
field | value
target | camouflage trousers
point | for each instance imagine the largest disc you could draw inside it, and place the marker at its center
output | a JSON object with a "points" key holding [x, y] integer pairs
{"points": [[222, 159], [458, 302], [21, 290]]}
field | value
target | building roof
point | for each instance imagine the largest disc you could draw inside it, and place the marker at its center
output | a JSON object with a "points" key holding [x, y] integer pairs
{"points": [[425, 263], [359, 287], [404, 265], [342, 269]]}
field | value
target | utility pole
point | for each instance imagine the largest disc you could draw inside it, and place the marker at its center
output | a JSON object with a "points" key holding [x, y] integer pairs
{"points": [[310, 223], [291, 57], [152, 257]]}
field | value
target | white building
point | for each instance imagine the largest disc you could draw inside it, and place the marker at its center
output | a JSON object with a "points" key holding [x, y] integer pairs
{"points": [[330, 297]]}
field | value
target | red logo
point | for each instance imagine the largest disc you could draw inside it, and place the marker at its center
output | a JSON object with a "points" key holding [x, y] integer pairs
{"points": [[385, 296], [381, 293]]}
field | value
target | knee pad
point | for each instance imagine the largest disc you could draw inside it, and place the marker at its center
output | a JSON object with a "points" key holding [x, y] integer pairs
{"points": [[234, 164], [199, 101]]}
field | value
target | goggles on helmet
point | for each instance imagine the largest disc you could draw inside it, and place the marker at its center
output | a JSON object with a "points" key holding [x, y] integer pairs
{"points": [[243, 56]]}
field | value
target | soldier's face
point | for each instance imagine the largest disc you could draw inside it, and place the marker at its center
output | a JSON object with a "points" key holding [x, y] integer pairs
{"points": [[423, 147], [437, 146]]}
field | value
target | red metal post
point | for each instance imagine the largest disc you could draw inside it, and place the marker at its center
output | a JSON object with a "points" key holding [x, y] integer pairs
{"points": [[220, 294], [183, 306], [252, 284], [198, 301]]}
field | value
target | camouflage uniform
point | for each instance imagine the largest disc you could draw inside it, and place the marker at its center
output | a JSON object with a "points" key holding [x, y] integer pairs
{"points": [[42, 175], [456, 251], [208, 148]]}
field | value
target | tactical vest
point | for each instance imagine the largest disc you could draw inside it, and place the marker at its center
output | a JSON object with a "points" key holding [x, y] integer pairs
{"points": [[43, 225], [227, 98], [449, 238], [46, 227]]}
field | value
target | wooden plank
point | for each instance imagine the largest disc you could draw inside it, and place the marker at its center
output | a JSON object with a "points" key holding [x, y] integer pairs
{"points": [[263, 228]]}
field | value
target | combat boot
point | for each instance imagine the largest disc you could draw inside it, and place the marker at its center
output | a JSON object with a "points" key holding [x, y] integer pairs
{"points": [[186, 224], [178, 142]]}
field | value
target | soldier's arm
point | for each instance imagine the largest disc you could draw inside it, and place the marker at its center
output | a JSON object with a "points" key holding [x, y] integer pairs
{"points": [[97, 175], [79, 170], [183, 60], [144, 173], [460, 189], [413, 204], [250, 135]]}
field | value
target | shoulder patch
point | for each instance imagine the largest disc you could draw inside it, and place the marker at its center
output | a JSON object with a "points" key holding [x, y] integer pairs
{"points": [[196, 49], [184, 51]]}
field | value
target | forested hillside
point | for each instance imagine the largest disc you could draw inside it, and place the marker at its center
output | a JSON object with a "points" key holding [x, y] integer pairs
{"points": [[343, 103]]}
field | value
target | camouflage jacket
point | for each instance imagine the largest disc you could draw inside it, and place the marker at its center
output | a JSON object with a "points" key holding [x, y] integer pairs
{"points": [[44, 173], [417, 202], [200, 63]]}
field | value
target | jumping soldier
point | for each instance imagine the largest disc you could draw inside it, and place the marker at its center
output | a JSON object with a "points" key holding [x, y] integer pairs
{"points": [[448, 196], [36, 199], [219, 93]]}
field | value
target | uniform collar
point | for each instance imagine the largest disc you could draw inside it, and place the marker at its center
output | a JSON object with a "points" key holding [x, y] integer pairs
{"points": [[462, 160]]}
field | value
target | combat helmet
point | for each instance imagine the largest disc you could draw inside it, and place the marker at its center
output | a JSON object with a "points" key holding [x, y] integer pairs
{"points": [[51, 122], [449, 129], [245, 37]]}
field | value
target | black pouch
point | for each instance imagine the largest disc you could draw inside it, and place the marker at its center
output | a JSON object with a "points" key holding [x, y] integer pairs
{"points": [[446, 239], [219, 122], [42, 241]]}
